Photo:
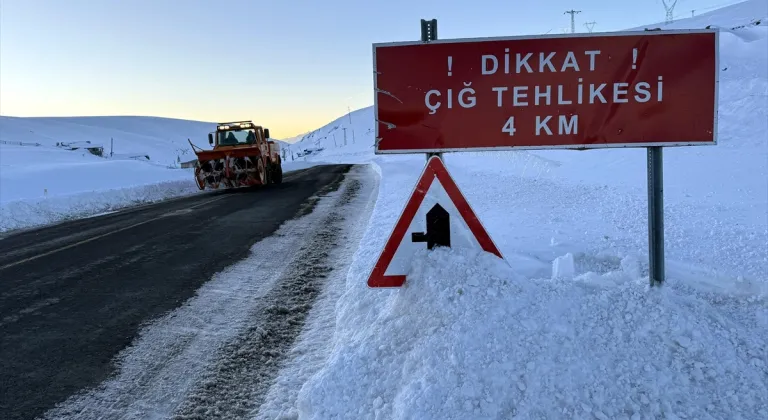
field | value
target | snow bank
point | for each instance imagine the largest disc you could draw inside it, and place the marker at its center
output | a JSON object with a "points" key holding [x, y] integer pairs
{"points": [[568, 329], [61, 190], [468, 337], [32, 173], [28, 213]]}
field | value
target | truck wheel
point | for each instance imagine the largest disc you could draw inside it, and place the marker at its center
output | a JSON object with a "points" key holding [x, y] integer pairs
{"points": [[278, 175], [262, 171], [270, 173]]}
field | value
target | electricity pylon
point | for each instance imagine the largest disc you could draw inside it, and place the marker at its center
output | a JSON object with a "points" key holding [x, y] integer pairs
{"points": [[669, 6], [573, 18]]}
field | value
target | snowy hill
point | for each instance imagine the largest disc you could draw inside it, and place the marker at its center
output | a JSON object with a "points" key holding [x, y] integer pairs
{"points": [[164, 140], [747, 13], [294, 139], [348, 138], [568, 328]]}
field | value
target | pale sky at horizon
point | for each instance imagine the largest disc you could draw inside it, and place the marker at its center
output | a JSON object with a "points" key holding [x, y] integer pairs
{"points": [[287, 64]]}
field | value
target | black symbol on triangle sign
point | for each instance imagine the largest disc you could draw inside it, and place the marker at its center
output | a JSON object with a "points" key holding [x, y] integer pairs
{"points": [[438, 229]]}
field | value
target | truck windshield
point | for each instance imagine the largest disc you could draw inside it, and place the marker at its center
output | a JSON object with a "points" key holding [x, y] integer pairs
{"points": [[231, 138]]}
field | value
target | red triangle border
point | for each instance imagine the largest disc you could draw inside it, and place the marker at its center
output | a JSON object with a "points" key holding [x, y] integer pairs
{"points": [[434, 169]]}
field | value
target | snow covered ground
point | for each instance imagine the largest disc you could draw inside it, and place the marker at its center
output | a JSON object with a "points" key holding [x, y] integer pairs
{"points": [[568, 328], [41, 183]]}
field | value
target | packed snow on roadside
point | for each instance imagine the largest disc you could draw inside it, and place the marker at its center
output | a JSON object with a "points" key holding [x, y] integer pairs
{"points": [[566, 326], [470, 337], [43, 182]]}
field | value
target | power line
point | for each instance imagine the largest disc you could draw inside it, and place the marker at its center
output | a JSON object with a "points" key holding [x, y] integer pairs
{"points": [[573, 18], [590, 25]]}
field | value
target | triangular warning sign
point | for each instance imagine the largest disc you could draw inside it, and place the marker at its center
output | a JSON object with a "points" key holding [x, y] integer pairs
{"points": [[436, 214]]}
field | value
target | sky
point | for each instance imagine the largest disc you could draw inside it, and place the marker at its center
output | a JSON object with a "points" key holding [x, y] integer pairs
{"points": [[290, 65]]}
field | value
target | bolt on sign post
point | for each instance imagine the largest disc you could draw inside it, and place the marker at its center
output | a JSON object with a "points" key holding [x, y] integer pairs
{"points": [[649, 89]]}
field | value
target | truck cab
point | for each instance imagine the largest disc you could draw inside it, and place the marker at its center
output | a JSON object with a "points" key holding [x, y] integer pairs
{"points": [[238, 134], [244, 134]]}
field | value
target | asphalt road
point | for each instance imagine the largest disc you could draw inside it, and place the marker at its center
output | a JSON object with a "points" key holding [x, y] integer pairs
{"points": [[75, 294]]}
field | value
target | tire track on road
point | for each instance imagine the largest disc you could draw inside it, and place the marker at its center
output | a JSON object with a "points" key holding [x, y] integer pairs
{"points": [[243, 376]]}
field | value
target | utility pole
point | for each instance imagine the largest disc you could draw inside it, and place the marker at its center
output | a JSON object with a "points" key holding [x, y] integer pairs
{"points": [[669, 6], [345, 135], [573, 19], [349, 114], [590, 25], [692, 12]]}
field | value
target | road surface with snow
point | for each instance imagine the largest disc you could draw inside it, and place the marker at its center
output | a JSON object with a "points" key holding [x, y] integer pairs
{"points": [[74, 295]]}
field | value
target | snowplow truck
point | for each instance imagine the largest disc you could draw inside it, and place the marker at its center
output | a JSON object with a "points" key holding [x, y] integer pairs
{"points": [[242, 156]]}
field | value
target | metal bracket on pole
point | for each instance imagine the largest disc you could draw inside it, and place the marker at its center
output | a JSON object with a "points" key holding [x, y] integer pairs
{"points": [[429, 33], [428, 30], [656, 216]]}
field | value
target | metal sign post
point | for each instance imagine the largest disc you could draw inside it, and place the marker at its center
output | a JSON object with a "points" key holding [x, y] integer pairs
{"points": [[655, 216]]}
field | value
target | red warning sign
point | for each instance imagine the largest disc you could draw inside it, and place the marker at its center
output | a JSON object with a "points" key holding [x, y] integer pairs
{"points": [[437, 214], [620, 89]]}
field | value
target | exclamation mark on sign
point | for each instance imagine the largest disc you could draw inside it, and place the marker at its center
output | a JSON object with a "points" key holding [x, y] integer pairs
{"points": [[634, 58], [450, 64]]}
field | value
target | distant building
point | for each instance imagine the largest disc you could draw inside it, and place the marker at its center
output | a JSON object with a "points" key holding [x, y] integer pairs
{"points": [[95, 149]]}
